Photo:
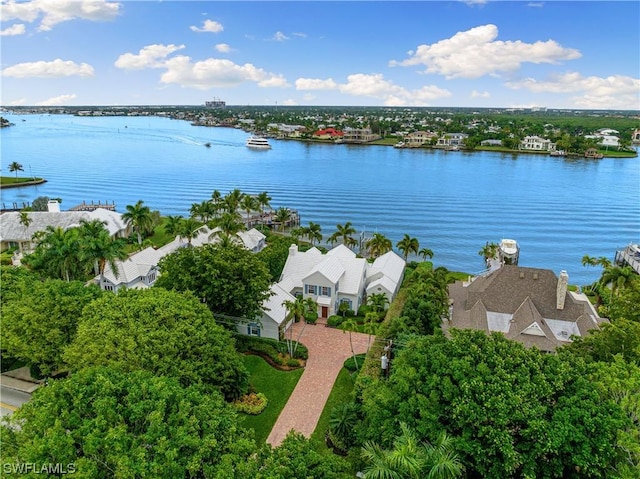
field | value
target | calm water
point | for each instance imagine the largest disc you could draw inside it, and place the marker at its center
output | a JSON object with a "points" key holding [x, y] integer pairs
{"points": [[453, 202]]}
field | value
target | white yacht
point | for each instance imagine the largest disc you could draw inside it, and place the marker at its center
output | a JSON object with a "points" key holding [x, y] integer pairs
{"points": [[509, 251], [258, 142]]}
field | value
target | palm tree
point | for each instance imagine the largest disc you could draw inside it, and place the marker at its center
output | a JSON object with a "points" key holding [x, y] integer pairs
{"points": [[378, 245], [229, 224], [15, 166], [342, 423], [297, 310], [172, 225], [264, 201], [489, 251], [25, 220], [314, 233], [349, 326], [216, 199], [282, 216], [249, 203], [411, 459], [99, 248], [424, 252], [232, 200], [592, 261], [202, 211], [619, 277], [139, 217], [188, 229], [370, 326], [408, 245], [378, 301], [344, 232], [57, 253]]}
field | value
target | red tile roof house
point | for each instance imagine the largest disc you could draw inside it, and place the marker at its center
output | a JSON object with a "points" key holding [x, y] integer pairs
{"points": [[529, 305], [328, 134]]}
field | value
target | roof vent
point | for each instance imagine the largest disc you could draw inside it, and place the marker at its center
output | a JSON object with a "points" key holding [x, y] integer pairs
{"points": [[521, 274], [535, 275]]}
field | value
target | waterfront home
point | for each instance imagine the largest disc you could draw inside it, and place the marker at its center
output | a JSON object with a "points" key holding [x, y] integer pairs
{"points": [[417, 139], [491, 143], [635, 136], [451, 140], [14, 234], [339, 276], [273, 323], [605, 140], [359, 135], [140, 270], [528, 305], [536, 143], [328, 134]]}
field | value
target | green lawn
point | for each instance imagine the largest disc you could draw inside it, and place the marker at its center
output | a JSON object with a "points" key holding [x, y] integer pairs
{"points": [[160, 237], [12, 180], [340, 394], [276, 385]]}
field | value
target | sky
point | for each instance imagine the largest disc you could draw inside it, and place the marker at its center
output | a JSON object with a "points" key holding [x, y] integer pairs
{"points": [[477, 53]]}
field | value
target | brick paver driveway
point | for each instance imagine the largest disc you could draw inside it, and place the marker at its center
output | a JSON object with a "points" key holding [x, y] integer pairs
{"points": [[328, 349]]}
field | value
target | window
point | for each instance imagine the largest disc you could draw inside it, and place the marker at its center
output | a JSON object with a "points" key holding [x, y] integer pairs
{"points": [[253, 329], [311, 289], [346, 301], [325, 291]]}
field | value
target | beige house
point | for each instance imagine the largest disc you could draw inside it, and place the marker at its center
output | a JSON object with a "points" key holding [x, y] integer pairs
{"points": [[528, 305]]}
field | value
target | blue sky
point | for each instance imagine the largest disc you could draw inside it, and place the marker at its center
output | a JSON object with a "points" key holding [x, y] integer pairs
{"points": [[576, 55]]}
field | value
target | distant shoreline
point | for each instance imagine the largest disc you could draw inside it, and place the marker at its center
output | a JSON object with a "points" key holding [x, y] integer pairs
{"points": [[20, 182]]}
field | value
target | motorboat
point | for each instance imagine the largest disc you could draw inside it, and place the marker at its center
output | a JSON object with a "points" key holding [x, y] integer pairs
{"points": [[509, 251], [258, 142]]}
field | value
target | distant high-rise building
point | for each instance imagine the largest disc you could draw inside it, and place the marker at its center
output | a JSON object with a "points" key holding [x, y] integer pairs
{"points": [[215, 103]]}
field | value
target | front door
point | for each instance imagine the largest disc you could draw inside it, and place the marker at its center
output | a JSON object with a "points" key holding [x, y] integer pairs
{"points": [[325, 312]]}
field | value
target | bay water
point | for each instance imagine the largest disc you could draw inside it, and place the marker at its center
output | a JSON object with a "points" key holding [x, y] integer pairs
{"points": [[453, 202]]}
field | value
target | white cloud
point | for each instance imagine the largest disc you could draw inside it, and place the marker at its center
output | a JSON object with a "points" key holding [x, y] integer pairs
{"points": [[315, 84], [19, 102], [535, 4], [280, 37], [214, 72], [210, 26], [53, 12], [376, 86], [299, 34], [476, 52], [290, 102], [151, 56], [42, 69], [480, 94], [17, 29], [223, 48], [57, 100], [616, 91]]}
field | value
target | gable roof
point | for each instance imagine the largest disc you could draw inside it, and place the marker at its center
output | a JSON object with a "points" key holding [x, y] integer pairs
{"points": [[12, 230], [272, 307]]}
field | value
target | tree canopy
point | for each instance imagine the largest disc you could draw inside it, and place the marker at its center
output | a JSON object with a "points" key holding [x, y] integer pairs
{"points": [[511, 411], [109, 423], [40, 321], [228, 278], [165, 332]]}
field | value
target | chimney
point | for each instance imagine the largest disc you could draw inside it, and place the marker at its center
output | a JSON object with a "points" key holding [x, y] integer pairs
{"points": [[561, 291], [53, 206], [293, 249]]}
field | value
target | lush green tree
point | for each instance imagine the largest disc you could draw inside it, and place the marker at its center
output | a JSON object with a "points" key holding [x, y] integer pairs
{"points": [[274, 255], [342, 424], [408, 245], [41, 203], [298, 310], [249, 203], [232, 200], [313, 233], [165, 332], [489, 251], [512, 411], [228, 278], [378, 301], [15, 166], [229, 224], [42, 320], [344, 233], [426, 253], [188, 229], [617, 278], [626, 303], [378, 245], [619, 338], [139, 218], [296, 458], [264, 201], [202, 212], [109, 423]]}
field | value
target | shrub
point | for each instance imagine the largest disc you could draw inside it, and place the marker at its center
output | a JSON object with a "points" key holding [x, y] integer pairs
{"points": [[350, 313], [335, 321], [293, 363], [311, 317], [363, 310], [350, 364], [252, 403]]}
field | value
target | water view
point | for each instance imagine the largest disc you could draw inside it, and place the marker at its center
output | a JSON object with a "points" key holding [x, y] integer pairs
{"points": [[557, 209]]}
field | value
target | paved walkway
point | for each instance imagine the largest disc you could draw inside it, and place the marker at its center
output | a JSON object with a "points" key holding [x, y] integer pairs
{"points": [[328, 349]]}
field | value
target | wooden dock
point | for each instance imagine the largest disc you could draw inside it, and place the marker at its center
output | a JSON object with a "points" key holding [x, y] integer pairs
{"points": [[630, 256], [84, 206]]}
